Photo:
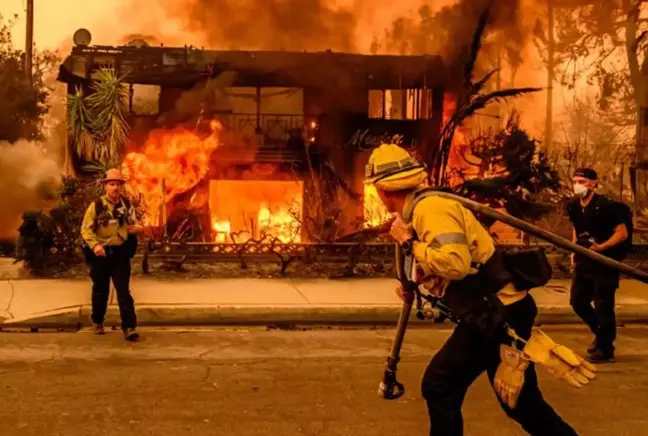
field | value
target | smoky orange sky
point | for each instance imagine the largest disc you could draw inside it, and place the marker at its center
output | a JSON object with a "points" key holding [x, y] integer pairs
{"points": [[56, 21], [109, 21]]}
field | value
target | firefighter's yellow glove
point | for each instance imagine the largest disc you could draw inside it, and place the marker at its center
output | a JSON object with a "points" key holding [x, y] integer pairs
{"points": [[509, 377], [559, 360]]}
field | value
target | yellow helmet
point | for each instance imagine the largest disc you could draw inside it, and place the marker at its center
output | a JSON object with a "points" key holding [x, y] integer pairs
{"points": [[392, 168]]}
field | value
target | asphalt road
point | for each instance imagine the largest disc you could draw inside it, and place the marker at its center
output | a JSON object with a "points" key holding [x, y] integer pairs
{"points": [[272, 382]]}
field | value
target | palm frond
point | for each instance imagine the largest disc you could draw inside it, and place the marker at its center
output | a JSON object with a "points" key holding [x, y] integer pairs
{"points": [[512, 92], [483, 100], [471, 59], [462, 113], [109, 105], [79, 120], [86, 145], [479, 85]]}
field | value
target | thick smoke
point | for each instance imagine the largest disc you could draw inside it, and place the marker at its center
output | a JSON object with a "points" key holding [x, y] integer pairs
{"points": [[443, 27], [505, 30], [447, 30], [414, 27], [268, 24], [28, 181]]}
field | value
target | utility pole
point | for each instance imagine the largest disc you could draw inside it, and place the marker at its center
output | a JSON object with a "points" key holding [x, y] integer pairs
{"points": [[550, 77], [29, 43]]}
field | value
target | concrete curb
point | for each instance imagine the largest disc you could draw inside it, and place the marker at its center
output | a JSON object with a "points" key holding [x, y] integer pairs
{"points": [[4, 315], [193, 315]]}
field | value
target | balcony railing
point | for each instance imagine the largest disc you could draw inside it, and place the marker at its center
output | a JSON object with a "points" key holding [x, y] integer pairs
{"points": [[273, 127], [265, 137]]}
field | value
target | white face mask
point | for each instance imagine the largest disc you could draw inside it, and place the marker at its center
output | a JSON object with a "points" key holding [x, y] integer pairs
{"points": [[580, 190]]}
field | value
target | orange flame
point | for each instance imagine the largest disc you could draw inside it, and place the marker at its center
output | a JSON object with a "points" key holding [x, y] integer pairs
{"points": [[261, 211], [281, 225], [375, 212], [178, 157], [222, 230]]}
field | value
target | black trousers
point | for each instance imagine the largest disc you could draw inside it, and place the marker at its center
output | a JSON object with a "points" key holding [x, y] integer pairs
{"points": [[465, 356], [600, 317], [116, 266]]}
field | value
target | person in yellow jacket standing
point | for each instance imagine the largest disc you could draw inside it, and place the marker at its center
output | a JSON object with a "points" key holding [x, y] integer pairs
{"points": [[108, 231], [456, 258]]}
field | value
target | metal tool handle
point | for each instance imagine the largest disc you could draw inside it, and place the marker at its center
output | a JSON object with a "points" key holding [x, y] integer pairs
{"points": [[390, 388]]}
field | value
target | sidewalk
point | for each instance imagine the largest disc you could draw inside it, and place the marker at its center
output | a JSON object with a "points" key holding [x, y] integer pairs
{"points": [[66, 303]]}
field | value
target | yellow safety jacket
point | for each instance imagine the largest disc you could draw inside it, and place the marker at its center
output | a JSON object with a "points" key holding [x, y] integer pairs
{"points": [[109, 228], [451, 243]]}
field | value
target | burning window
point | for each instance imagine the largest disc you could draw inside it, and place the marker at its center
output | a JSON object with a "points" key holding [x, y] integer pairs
{"points": [[255, 209], [375, 212], [400, 104]]}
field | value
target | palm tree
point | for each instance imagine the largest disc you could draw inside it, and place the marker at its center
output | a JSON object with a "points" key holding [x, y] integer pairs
{"points": [[526, 175], [97, 123], [469, 101], [79, 119]]}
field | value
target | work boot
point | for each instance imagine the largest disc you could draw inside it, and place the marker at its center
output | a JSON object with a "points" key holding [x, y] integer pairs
{"points": [[98, 329], [600, 357], [592, 347], [131, 335]]}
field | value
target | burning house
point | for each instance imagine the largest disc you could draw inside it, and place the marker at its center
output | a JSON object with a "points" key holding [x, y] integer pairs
{"points": [[263, 143]]}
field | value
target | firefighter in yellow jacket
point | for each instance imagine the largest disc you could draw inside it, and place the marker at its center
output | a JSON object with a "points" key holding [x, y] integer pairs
{"points": [[457, 258], [108, 231]]}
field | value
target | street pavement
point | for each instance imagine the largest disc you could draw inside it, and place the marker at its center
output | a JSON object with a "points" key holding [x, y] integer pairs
{"points": [[256, 381]]}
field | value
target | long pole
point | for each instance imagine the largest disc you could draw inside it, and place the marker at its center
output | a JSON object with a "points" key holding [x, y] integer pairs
{"points": [[389, 387], [547, 236], [29, 40]]}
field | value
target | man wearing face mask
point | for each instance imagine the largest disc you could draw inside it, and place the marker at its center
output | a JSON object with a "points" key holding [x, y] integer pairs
{"points": [[598, 224]]}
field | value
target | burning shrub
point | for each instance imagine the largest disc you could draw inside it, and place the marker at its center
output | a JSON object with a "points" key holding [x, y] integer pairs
{"points": [[505, 170], [333, 198]]}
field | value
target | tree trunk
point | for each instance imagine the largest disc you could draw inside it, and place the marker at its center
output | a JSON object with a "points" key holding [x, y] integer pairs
{"points": [[550, 77], [639, 80]]}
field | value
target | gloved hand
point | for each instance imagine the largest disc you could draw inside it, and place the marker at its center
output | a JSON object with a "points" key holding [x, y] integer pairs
{"points": [[509, 377], [559, 360]]}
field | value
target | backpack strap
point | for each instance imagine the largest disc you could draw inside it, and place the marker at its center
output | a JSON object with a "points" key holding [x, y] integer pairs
{"points": [[406, 262], [99, 209], [419, 195]]}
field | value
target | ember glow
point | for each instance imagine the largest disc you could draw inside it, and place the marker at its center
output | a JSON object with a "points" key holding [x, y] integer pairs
{"points": [[263, 211], [375, 212], [178, 157], [222, 231]]}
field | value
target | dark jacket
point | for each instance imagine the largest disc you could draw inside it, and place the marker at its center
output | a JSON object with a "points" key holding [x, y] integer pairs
{"points": [[597, 220]]}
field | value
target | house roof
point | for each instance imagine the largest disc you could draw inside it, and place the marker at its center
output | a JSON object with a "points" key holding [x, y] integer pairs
{"points": [[184, 66]]}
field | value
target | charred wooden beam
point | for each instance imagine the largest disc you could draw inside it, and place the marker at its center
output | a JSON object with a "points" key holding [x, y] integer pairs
{"points": [[183, 66]]}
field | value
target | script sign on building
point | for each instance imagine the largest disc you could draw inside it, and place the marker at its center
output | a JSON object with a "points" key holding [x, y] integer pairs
{"points": [[367, 134]]}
